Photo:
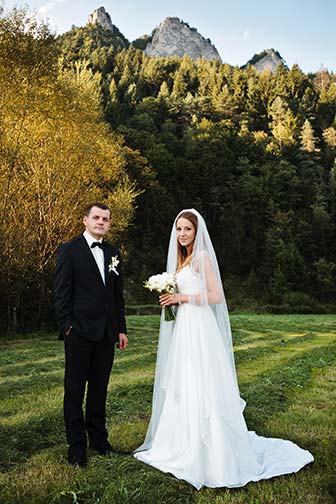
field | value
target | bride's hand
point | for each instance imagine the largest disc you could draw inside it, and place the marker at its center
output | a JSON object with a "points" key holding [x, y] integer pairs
{"points": [[170, 299]]}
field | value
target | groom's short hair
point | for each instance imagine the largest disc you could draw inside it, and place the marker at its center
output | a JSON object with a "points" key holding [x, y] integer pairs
{"points": [[102, 206]]}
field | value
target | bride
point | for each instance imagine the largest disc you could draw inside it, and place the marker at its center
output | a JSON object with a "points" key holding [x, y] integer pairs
{"points": [[197, 430]]}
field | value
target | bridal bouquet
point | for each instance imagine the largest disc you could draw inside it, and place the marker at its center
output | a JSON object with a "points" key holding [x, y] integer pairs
{"points": [[163, 282]]}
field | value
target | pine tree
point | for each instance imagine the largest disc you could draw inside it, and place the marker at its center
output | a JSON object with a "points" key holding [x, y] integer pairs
{"points": [[113, 88], [283, 123], [164, 91], [308, 139]]}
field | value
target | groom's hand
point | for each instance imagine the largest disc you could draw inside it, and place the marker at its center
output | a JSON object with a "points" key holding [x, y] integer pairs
{"points": [[123, 341]]}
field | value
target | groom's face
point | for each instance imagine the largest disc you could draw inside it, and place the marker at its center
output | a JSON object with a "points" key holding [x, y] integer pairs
{"points": [[97, 223]]}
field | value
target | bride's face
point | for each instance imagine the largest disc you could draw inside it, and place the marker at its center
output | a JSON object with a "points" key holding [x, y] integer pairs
{"points": [[185, 231]]}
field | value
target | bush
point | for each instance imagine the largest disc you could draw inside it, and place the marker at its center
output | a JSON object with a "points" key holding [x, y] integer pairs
{"points": [[143, 309], [277, 309], [316, 308], [297, 298]]}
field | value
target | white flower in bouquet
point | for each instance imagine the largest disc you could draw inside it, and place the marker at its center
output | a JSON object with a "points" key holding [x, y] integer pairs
{"points": [[163, 282]]}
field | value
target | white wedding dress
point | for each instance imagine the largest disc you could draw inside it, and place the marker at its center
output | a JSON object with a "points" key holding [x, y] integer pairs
{"points": [[200, 433]]}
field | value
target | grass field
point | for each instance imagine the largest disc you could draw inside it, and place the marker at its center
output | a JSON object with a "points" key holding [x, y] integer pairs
{"points": [[286, 371]]}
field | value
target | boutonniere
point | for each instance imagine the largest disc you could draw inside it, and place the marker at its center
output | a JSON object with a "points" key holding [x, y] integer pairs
{"points": [[113, 265]]}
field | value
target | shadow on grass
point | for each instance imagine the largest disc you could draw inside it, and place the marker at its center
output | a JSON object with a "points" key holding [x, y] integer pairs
{"points": [[120, 479], [26, 438], [39, 378], [265, 323], [35, 382], [269, 393]]}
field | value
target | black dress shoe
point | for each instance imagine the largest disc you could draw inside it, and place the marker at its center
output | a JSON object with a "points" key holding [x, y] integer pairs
{"points": [[103, 448], [77, 455], [77, 461]]}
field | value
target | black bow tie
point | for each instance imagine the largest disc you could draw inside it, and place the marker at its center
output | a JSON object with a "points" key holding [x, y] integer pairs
{"points": [[98, 244]]}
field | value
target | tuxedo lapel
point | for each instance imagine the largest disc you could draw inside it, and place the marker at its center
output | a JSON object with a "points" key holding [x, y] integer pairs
{"points": [[90, 259], [106, 262]]}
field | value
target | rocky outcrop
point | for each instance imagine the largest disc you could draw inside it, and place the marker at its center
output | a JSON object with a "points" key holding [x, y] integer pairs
{"points": [[267, 60], [102, 18], [175, 38]]}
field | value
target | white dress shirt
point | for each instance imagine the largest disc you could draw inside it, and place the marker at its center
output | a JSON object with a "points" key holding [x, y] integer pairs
{"points": [[97, 253]]}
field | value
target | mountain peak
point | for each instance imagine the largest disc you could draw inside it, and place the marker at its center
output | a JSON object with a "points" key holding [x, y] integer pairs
{"points": [[267, 60], [101, 17], [174, 37]]}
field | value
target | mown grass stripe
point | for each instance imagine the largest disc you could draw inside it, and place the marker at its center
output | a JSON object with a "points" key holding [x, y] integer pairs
{"points": [[286, 368]]}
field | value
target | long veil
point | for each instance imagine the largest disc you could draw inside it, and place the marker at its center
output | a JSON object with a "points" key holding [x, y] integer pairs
{"points": [[204, 264]]}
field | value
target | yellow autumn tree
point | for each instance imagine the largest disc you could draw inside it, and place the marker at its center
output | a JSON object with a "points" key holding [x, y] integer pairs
{"points": [[56, 156]]}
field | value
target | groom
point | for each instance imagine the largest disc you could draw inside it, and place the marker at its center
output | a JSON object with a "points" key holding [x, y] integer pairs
{"points": [[89, 302]]}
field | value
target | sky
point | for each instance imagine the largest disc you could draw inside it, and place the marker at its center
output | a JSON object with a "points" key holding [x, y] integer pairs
{"points": [[303, 31]]}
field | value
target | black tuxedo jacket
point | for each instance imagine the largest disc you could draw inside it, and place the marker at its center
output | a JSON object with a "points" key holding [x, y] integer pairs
{"points": [[81, 299]]}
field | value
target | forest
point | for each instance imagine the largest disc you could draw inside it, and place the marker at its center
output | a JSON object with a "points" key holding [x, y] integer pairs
{"points": [[88, 116]]}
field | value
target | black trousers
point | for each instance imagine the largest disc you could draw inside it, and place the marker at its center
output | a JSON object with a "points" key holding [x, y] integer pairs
{"points": [[90, 363]]}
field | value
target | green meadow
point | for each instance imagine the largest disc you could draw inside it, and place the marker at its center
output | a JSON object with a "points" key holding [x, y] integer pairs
{"points": [[286, 371]]}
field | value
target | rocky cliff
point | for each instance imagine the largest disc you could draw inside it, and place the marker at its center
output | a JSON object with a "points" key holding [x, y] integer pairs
{"points": [[101, 17], [267, 60], [175, 38]]}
